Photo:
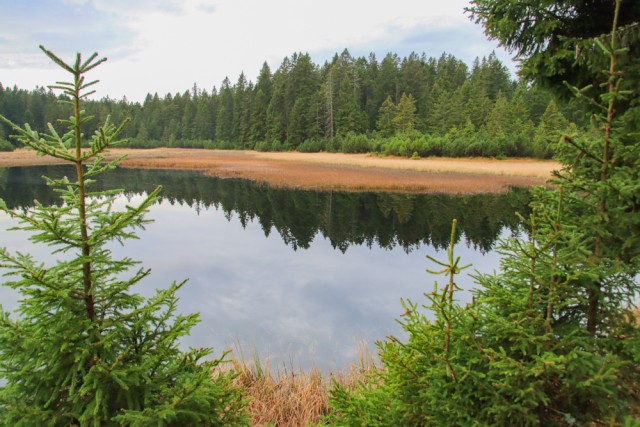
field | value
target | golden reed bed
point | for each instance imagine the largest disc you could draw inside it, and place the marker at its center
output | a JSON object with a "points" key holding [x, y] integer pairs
{"points": [[333, 171]]}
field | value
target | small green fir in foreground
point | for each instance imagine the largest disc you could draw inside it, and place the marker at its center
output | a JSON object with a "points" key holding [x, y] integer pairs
{"points": [[83, 349]]}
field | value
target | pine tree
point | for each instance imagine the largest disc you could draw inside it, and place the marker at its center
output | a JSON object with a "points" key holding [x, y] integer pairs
{"points": [[242, 111], [552, 125], [405, 118], [277, 112], [225, 119], [349, 116], [498, 120], [372, 97], [84, 349], [328, 103], [301, 101], [202, 123], [386, 115], [260, 105], [477, 104], [188, 130], [388, 78]]}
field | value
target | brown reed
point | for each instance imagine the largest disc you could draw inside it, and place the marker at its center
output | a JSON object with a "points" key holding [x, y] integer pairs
{"points": [[292, 397]]}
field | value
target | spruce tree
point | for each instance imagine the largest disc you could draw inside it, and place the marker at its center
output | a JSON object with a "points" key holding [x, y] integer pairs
{"points": [[405, 117], [386, 114], [548, 132], [551, 339], [83, 348]]}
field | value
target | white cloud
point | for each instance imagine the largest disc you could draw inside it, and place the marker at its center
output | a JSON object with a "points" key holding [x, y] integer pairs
{"points": [[166, 46]]}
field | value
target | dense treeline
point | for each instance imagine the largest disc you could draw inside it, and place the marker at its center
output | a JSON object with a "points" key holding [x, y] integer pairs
{"points": [[416, 105]]}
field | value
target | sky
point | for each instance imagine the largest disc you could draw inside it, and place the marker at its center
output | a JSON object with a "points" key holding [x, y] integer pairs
{"points": [[167, 46]]}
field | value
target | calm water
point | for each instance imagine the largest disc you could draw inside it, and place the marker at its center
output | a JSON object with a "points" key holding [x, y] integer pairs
{"points": [[293, 275]]}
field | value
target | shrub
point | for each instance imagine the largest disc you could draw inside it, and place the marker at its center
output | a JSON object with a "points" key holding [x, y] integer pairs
{"points": [[225, 145], [6, 145], [262, 146], [313, 145], [276, 145], [85, 350], [355, 143], [398, 145]]}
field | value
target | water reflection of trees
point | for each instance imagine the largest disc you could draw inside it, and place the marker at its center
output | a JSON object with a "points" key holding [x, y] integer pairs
{"points": [[382, 219]]}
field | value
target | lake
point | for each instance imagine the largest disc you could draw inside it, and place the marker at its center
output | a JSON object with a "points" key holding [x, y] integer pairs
{"points": [[300, 277]]}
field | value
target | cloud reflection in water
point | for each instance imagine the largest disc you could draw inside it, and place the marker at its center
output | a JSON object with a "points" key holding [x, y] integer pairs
{"points": [[308, 305]]}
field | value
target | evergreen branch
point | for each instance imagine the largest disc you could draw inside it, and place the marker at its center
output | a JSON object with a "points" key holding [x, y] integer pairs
{"points": [[32, 139], [67, 89], [96, 170], [94, 65], [86, 85], [57, 60], [432, 259], [120, 128], [88, 61], [86, 95], [583, 150], [581, 93], [61, 143]]}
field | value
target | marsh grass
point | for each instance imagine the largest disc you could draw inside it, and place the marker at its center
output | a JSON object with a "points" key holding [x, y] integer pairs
{"points": [[332, 171], [287, 396]]}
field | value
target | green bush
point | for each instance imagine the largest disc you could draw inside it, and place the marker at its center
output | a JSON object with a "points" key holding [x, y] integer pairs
{"points": [[456, 143], [262, 146], [355, 143], [333, 145], [276, 145], [313, 145], [405, 144], [208, 144], [225, 145], [6, 145]]}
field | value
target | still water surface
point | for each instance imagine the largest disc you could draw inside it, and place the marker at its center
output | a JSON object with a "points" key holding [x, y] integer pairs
{"points": [[298, 276]]}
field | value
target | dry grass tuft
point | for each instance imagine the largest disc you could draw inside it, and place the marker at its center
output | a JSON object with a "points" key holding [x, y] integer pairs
{"points": [[290, 397]]}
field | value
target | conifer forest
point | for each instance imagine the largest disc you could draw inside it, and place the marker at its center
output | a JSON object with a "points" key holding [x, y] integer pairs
{"points": [[397, 106]]}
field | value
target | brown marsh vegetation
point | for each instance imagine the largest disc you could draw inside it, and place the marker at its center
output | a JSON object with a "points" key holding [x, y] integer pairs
{"points": [[288, 396], [334, 171]]}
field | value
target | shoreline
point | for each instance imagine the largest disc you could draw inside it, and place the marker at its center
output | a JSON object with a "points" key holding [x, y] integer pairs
{"points": [[331, 171]]}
